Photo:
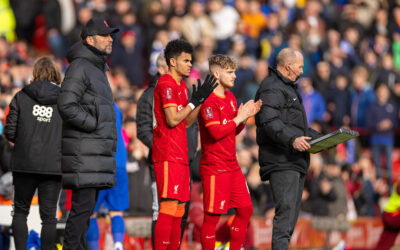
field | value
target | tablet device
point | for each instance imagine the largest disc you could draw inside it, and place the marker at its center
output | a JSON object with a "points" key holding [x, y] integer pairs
{"points": [[331, 139]]}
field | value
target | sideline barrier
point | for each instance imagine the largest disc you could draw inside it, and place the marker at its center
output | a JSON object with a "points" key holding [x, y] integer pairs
{"points": [[363, 233]]}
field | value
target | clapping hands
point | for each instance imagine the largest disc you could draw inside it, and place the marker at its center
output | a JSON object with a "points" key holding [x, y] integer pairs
{"points": [[248, 109]]}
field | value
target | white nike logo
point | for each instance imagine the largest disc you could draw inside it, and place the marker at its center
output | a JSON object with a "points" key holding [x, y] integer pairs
{"points": [[165, 242], [209, 237], [222, 107], [294, 99]]}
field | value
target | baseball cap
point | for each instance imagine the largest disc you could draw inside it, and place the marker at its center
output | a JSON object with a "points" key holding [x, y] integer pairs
{"points": [[97, 26]]}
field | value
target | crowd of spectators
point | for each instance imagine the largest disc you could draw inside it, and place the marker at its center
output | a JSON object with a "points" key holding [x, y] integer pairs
{"points": [[351, 78]]}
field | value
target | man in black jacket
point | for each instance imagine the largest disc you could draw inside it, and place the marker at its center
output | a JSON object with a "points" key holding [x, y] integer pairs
{"points": [[282, 134], [89, 138]]}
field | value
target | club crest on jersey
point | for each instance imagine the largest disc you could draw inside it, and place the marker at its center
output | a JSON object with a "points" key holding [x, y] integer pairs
{"points": [[168, 93], [233, 106], [209, 113], [222, 204]]}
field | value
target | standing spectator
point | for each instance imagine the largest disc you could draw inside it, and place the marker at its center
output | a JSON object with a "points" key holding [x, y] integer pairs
{"points": [[338, 102], [322, 79], [313, 102], [382, 116], [254, 19], [172, 114], [224, 185], [196, 24], [89, 134], [361, 97], [34, 126], [224, 18], [128, 53], [282, 134]]}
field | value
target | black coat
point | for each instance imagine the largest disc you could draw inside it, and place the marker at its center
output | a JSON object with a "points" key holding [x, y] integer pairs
{"points": [[34, 125], [89, 139], [280, 121]]}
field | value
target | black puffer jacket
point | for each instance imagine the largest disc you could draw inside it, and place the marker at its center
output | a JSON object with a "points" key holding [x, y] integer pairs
{"points": [[34, 125], [89, 138], [280, 121]]}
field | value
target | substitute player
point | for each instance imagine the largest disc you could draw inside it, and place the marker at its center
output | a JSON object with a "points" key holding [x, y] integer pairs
{"points": [[224, 184], [172, 114]]}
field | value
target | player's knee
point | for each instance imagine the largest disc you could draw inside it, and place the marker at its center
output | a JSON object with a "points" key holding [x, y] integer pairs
{"points": [[168, 207]]}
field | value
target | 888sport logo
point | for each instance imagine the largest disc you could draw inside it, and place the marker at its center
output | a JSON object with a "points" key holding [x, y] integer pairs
{"points": [[42, 113]]}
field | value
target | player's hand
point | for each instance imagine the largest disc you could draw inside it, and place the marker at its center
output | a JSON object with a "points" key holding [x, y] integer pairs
{"points": [[256, 107], [301, 144], [202, 91]]}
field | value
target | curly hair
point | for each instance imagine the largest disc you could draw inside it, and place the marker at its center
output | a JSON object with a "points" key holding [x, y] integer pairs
{"points": [[175, 48], [223, 61]]}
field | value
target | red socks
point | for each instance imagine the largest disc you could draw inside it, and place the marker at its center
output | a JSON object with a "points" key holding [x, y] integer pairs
{"points": [[208, 231], [238, 228], [175, 237], [167, 233], [162, 231]]}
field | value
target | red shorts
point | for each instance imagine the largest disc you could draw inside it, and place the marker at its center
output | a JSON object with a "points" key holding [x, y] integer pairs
{"points": [[173, 180], [224, 191]]}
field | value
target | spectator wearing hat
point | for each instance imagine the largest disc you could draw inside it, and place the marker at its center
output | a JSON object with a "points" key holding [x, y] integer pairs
{"points": [[128, 52], [89, 138]]}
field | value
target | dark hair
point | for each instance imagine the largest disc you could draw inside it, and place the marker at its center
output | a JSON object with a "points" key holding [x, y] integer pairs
{"points": [[175, 48], [46, 70]]}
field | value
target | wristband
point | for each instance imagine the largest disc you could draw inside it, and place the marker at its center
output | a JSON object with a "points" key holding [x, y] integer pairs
{"points": [[191, 105]]}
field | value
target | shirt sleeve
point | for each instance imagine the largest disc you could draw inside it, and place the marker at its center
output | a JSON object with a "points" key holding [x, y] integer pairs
{"points": [[211, 116], [168, 95]]}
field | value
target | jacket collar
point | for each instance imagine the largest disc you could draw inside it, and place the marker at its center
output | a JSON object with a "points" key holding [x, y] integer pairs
{"points": [[79, 50], [282, 78]]}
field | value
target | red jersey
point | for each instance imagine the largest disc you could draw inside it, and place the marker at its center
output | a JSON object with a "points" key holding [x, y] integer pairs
{"points": [[217, 132], [169, 144]]}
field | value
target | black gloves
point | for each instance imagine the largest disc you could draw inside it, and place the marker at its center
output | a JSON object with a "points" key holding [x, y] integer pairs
{"points": [[202, 91]]}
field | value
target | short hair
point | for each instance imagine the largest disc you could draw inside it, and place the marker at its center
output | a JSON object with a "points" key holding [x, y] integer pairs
{"points": [[360, 70], [175, 48], [286, 55], [46, 70], [223, 61], [160, 61]]}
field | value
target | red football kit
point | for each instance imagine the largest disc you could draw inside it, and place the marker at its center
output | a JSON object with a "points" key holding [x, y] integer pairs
{"points": [[223, 182], [170, 151]]}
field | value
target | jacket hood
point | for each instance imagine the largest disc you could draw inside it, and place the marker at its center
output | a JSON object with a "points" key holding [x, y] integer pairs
{"points": [[43, 92], [79, 50]]}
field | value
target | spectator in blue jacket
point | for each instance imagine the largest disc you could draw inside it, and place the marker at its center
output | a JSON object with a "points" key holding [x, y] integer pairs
{"points": [[382, 118], [313, 102], [361, 97]]}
